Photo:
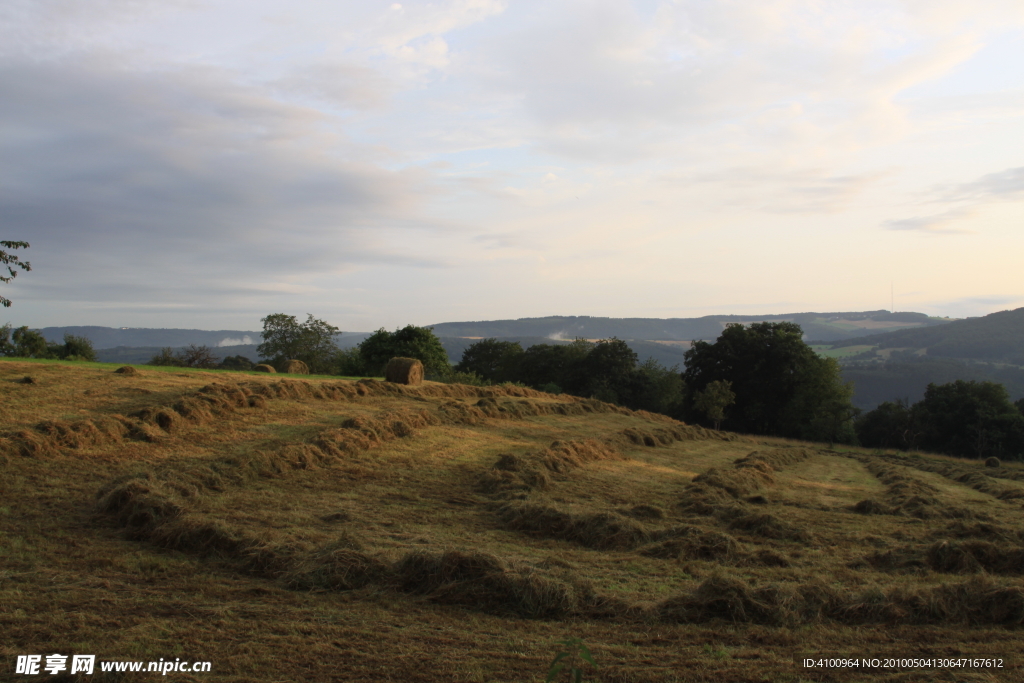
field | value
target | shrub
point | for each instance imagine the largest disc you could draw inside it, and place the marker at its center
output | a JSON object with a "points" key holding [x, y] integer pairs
{"points": [[408, 342]]}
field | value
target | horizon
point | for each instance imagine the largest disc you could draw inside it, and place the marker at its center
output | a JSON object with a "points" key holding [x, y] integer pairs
{"points": [[191, 166]]}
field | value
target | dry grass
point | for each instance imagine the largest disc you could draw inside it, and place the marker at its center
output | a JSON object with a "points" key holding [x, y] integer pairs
{"points": [[336, 530]]}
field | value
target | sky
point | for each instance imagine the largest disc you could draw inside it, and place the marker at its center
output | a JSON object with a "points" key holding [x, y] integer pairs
{"points": [[202, 164]]}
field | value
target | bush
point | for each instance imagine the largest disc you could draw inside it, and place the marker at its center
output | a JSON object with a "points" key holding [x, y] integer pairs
{"points": [[166, 358], [470, 378], [194, 356], [492, 360], [236, 363], [349, 363], [312, 342], [408, 342]]}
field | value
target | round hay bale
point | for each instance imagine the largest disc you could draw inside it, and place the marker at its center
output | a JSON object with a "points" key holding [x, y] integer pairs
{"points": [[128, 371], [295, 367], [404, 371], [263, 367], [993, 462]]}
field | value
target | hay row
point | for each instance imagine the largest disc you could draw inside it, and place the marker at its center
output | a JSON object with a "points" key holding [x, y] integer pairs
{"points": [[970, 556], [718, 489], [150, 424], [980, 601], [486, 583], [148, 511], [972, 478], [907, 495]]}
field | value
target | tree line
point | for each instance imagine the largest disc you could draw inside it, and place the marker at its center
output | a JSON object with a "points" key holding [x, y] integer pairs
{"points": [[757, 379]]}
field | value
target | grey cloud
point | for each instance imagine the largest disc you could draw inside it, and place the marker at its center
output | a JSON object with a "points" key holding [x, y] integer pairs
{"points": [[153, 184], [938, 224], [993, 186], [967, 198]]}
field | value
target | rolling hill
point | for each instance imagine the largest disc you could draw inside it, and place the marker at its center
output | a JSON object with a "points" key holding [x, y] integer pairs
{"points": [[998, 337], [331, 530], [816, 326]]}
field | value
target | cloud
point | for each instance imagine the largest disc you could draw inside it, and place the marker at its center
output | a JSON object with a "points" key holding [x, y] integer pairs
{"points": [[938, 224], [1003, 185], [967, 201], [157, 184], [231, 341]]}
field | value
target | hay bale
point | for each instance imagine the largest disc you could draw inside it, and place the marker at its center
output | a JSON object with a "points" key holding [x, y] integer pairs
{"points": [[294, 367], [263, 367], [128, 371], [993, 462], [404, 371]]}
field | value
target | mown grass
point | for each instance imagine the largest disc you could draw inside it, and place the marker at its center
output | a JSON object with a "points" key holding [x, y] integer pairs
{"points": [[419, 548]]}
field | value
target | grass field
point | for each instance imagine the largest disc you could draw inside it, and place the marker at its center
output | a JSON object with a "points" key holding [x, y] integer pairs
{"points": [[320, 529], [827, 351]]}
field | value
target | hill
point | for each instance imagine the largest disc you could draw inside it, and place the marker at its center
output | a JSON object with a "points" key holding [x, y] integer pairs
{"points": [[816, 326], [323, 529], [111, 337], [998, 337]]}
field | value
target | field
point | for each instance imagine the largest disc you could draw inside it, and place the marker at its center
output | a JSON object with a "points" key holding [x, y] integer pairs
{"points": [[320, 529]]}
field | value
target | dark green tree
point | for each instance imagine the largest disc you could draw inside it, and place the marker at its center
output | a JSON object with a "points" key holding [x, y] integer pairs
{"points": [[714, 400], [73, 348], [407, 342], [166, 358], [9, 261], [285, 338], [970, 420], [891, 425], [782, 386], [29, 343], [193, 356], [493, 360], [236, 363]]}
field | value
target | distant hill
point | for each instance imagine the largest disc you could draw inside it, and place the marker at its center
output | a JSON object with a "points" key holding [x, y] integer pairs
{"points": [[997, 337], [822, 327], [907, 377], [666, 354], [110, 337]]}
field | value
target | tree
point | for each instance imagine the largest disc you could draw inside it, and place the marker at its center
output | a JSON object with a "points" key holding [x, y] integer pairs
{"points": [[312, 342], [73, 348], [166, 358], [236, 363], [493, 360], [890, 425], [9, 261], [407, 342], [714, 399], [29, 343], [194, 356], [781, 385], [970, 419]]}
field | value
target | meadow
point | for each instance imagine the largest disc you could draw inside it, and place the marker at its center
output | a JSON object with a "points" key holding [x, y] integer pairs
{"points": [[324, 529]]}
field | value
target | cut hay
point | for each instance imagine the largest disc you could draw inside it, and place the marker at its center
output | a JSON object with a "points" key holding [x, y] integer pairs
{"points": [[870, 506], [294, 367], [644, 511], [263, 367], [601, 531], [139, 503], [408, 371], [484, 582], [127, 371], [340, 565], [27, 380], [694, 543], [980, 601], [769, 526]]}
